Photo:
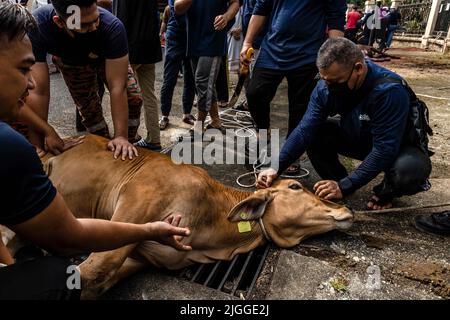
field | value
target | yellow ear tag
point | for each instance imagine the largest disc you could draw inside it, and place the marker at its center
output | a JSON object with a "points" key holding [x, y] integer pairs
{"points": [[244, 226]]}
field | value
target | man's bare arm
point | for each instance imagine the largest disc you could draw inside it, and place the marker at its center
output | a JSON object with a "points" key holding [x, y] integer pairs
{"points": [[220, 22], [181, 6], [53, 141], [5, 256], [117, 77], [39, 99], [57, 230], [254, 28]]}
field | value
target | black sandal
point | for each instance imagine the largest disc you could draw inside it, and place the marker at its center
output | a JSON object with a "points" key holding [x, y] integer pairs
{"points": [[293, 170], [381, 202]]}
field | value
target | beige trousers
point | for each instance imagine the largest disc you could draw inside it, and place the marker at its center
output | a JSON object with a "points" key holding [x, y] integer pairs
{"points": [[145, 74]]}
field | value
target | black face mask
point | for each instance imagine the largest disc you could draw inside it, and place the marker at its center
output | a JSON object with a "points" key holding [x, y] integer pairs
{"points": [[341, 88], [83, 36]]}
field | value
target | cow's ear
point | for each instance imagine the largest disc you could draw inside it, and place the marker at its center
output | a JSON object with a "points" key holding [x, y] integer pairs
{"points": [[251, 208]]}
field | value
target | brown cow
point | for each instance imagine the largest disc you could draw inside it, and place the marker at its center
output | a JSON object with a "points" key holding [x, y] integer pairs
{"points": [[153, 188]]}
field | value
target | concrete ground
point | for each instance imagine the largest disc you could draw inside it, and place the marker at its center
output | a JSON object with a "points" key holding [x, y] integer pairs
{"points": [[382, 257]]}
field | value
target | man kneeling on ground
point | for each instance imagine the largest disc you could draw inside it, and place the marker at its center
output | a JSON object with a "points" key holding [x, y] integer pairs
{"points": [[376, 125]]}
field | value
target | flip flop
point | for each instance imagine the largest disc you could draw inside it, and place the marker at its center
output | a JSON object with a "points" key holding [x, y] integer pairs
{"points": [[189, 119], [209, 126]]}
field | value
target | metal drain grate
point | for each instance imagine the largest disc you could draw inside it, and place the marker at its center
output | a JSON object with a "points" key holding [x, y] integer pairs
{"points": [[236, 277]]}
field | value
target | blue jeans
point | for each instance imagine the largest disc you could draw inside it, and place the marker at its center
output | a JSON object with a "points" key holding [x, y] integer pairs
{"points": [[175, 60], [390, 34]]}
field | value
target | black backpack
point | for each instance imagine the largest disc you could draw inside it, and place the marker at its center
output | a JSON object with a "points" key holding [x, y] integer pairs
{"points": [[418, 127]]}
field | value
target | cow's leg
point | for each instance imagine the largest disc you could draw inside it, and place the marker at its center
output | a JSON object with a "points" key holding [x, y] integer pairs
{"points": [[98, 270], [101, 267], [129, 267]]}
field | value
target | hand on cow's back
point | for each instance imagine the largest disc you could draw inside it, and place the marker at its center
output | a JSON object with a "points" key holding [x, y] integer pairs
{"points": [[120, 146]]}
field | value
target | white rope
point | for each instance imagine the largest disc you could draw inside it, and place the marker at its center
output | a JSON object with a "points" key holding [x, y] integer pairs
{"points": [[241, 122], [431, 97], [238, 120], [263, 229], [257, 170]]}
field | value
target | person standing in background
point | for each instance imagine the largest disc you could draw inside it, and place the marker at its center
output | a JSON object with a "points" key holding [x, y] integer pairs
{"points": [[175, 60], [394, 17], [207, 22], [352, 22], [289, 50], [247, 11], [164, 22], [235, 39], [141, 20]]}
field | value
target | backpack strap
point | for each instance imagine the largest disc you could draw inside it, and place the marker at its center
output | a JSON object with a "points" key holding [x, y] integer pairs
{"points": [[419, 113]]}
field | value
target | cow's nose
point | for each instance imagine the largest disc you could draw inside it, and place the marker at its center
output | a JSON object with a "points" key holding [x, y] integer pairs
{"points": [[350, 209]]}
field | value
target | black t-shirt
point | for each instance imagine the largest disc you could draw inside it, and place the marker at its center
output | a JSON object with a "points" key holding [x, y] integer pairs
{"points": [[25, 189], [141, 20], [109, 41]]}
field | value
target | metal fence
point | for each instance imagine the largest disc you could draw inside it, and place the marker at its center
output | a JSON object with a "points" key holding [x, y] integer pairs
{"points": [[414, 17], [443, 21]]}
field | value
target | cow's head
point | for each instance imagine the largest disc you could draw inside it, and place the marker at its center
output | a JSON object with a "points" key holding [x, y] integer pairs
{"points": [[291, 213]]}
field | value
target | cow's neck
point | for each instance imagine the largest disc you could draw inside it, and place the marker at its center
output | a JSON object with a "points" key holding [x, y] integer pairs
{"points": [[234, 196]]}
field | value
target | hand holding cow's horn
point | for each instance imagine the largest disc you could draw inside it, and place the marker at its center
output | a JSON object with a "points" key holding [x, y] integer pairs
{"points": [[169, 233], [265, 178]]}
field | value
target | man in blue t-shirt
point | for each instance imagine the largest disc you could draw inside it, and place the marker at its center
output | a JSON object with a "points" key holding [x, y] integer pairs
{"points": [[88, 44], [31, 206], [376, 126], [207, 44], [296, 30]]}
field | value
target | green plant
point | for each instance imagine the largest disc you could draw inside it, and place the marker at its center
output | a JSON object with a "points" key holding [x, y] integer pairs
{"points": [[339, 284]]}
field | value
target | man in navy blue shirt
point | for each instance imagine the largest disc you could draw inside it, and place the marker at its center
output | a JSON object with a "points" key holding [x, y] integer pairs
{"points": [[296, 30], [31, 206], [374, 105], [207, 44], [91, 48]]}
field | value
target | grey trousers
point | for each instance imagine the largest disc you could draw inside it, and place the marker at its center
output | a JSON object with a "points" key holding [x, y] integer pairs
{"points": [[205, 70]]}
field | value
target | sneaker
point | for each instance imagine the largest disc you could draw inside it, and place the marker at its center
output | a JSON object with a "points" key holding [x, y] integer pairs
{"points": [[148, 145], [438, 223]]}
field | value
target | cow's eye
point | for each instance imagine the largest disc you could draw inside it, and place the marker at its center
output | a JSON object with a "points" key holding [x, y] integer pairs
{"points": [[295, 186]]}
